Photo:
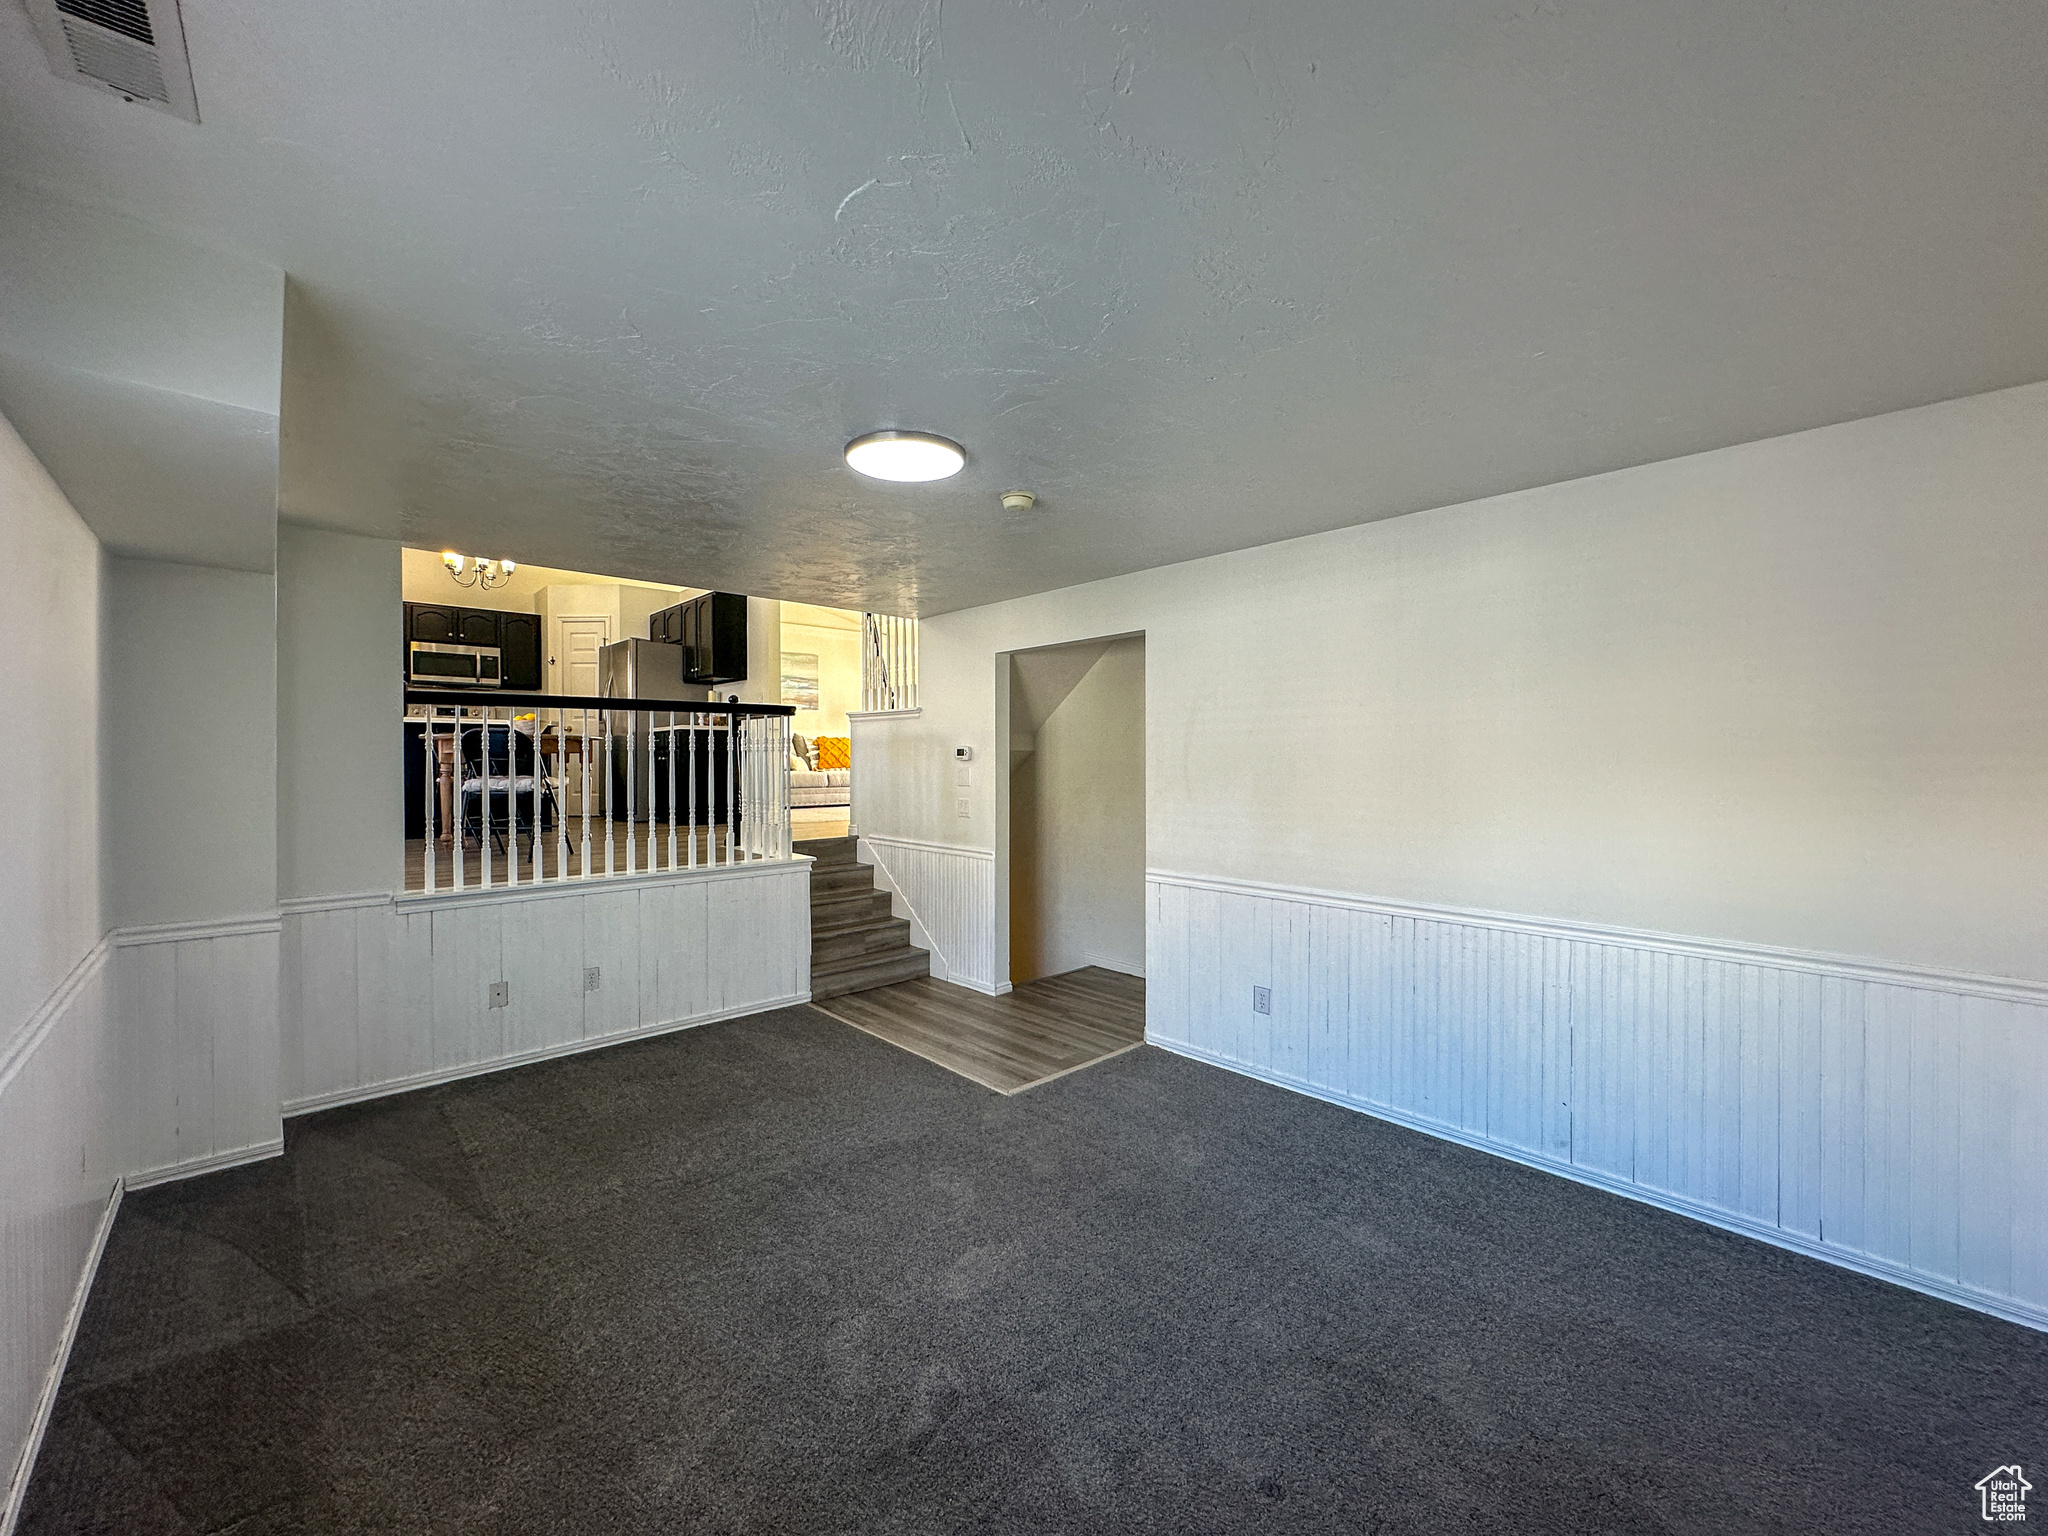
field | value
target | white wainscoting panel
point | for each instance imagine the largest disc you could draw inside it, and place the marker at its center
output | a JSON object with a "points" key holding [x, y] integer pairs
{"points": [[197, 1035], [60, 1112], [949, 895], [155, 1059], [384, 993], [1881, 1117]]}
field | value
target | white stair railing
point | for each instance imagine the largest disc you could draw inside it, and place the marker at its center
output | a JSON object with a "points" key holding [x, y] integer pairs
{"points": [[663, 787], [888, 662]]}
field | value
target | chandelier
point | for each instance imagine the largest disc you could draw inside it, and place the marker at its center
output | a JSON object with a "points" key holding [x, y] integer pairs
{"points": [[472, 571]]}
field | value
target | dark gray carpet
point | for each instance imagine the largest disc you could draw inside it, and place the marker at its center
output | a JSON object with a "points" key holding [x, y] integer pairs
{"points": [[776, 1276]]}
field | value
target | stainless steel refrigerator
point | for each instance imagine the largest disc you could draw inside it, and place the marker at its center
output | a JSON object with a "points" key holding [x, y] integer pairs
{"points": [[645, 669]]}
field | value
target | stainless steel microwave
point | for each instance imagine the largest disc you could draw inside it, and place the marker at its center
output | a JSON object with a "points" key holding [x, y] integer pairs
{"points": [[433, 665]]}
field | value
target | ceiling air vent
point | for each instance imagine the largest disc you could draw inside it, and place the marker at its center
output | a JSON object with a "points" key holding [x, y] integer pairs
{"points": [[134, 48]]}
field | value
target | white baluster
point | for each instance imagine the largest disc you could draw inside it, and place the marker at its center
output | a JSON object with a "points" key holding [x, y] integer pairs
{"points": [[744, 734], [455, 798], [512, 793], [632, 788], [430, 778], [609, 782], [583, 869], [690, 787], [484, 803], [558, 784]]}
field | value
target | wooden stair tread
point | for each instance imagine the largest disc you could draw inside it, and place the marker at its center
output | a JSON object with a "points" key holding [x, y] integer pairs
{"points": [[857, 942]]}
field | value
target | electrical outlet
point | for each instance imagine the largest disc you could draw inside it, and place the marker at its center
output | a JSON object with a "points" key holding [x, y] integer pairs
{"points": [[1262, 999], [593, 978], [962, 807], [501, 994]]}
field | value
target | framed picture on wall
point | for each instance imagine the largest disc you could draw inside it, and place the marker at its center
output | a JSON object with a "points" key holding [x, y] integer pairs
{"points": [[800, 679]]}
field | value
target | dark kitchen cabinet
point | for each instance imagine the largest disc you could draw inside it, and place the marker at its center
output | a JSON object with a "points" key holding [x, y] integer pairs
{"points": [[431, 622], [519, 651], [515, 635], [477, 626], [712, 630]]}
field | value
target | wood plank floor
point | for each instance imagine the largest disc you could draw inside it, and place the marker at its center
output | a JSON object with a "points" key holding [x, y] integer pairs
{"points": [[815, 821], [1041, 1030]]}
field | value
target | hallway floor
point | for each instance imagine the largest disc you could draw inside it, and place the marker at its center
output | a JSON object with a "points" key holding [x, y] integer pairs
{"points": [[773, 1275], [1030, 1035]]}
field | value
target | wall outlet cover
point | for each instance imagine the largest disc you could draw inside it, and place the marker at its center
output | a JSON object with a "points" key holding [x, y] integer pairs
{"points": [[1262, 999], [593, 978], [501, 994], [962, 807]]}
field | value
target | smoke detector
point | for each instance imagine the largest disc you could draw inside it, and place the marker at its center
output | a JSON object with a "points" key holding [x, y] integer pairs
{"points": [[1018, 501], [133, 48]]}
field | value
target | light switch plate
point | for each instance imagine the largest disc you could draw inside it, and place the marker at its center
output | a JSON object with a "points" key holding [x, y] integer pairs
{"points": [[962, 774], [501, 994]]}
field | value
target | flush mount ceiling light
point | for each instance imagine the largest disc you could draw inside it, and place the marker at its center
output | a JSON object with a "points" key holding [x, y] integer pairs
{"points": [[905, 456]]}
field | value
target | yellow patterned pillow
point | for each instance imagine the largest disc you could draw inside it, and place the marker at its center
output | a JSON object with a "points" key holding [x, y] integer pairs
{"points": [[834, 752]]}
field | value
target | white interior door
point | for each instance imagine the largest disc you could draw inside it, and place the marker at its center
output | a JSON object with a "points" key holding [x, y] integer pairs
{"points": [[572, 669], [578, 639]]}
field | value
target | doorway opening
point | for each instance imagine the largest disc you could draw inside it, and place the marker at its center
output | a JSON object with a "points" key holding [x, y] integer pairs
{"points": [[1076, 808]]}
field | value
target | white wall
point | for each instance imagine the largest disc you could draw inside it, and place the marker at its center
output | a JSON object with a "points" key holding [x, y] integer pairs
{"points": [[1077, 843], [1753, 709], [1786, 693], [340, 778], [191, 743], [50, 633], [144, 372], [58, 1151], [833, 636], [764, 655], [189, 772]]}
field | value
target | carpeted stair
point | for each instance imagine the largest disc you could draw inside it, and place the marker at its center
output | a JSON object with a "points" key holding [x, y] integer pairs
{"points": [[855, 943]]}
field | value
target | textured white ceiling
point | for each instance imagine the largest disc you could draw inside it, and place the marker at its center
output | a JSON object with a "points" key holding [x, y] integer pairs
{"points": [[606, 286]]}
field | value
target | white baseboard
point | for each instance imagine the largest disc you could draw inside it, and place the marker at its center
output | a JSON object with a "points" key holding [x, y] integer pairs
{"points": [[46, 1403], [234, 1157], [385, 1090], [1713, 1216], [986, 989]]}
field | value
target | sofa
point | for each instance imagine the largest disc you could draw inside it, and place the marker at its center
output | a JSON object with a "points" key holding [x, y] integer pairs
{"points": [[811, 785]]}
